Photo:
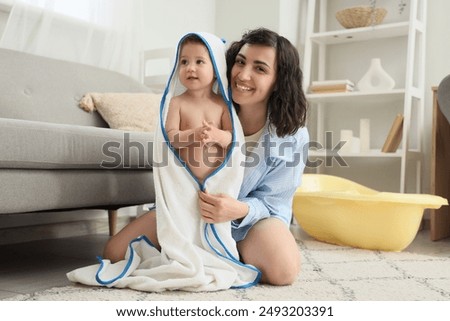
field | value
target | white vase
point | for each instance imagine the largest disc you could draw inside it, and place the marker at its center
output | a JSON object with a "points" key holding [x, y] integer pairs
{"points": [[376, 78]]}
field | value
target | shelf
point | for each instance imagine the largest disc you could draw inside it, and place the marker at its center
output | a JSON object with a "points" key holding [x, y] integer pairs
{"points": [[329, 55], [357, 96], [389, 30], [372, 153]]}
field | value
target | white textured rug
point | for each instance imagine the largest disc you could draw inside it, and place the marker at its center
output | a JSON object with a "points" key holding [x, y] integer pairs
{"points": [[329, 272]]}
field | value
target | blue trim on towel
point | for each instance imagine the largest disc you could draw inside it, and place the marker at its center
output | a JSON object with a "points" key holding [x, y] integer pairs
{"points": [[216, 235], [127, 266], [231, 257]]}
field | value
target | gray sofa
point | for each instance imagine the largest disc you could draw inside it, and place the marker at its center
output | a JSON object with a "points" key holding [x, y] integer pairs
{"points": [[52, 153]]}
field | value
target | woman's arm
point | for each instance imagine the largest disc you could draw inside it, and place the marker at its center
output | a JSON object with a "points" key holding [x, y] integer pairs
{"points": [[267, 190], [272, 196], [271, 182]]}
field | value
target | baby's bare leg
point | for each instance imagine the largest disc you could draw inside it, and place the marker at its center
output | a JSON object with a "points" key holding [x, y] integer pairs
{"points": [[117, 245]]}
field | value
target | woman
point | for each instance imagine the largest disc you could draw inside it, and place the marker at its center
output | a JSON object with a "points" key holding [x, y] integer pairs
{"points": [[266, 85]]}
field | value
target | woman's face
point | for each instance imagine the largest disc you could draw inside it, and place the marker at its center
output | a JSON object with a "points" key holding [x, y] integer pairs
{"points": [[253, 75]]}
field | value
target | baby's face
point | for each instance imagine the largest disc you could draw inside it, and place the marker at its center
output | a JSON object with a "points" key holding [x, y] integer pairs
{"points": [[195, 67]]}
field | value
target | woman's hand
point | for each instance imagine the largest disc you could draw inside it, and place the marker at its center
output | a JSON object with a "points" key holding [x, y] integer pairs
{"points": [[219, 208]]}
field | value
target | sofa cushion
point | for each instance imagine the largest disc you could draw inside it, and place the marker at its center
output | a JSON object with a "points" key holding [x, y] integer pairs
{"points": [[40, 145], [126, 111]]}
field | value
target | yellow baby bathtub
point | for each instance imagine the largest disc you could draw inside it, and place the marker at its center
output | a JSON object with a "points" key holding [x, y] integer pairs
{"points": [[339, 211]]}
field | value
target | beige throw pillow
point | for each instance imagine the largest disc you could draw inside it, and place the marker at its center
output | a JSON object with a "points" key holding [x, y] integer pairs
{"points": [[125, 111]]}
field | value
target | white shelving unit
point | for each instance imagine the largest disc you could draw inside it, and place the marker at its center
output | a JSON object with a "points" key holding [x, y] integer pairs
{"points": [[333, 111]]}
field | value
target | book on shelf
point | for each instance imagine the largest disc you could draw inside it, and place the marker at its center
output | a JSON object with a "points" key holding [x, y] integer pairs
{"points": [[331, 86], [394, 136], [331, 89], [332, 82]]}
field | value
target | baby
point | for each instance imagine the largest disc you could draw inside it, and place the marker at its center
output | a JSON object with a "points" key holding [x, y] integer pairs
{"points": [[198, 122]]}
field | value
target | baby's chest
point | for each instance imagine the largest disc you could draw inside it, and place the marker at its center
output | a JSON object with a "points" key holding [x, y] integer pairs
{"points": [[192, 118]]}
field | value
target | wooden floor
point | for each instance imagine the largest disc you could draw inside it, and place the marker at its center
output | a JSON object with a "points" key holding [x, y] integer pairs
{"points": [[39, 265]]}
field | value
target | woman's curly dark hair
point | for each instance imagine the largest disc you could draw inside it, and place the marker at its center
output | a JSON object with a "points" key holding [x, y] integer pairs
{"points": [[287, 106]]}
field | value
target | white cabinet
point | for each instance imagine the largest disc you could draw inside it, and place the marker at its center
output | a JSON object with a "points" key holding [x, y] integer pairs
{"points": [[332, 52]]}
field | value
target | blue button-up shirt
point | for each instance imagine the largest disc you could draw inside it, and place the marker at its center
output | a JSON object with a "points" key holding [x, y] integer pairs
{"points": [[273, 171]]}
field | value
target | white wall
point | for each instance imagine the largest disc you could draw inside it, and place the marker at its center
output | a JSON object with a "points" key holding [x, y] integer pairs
{"points": [[165, 21], [234, 17], [289, 15]]}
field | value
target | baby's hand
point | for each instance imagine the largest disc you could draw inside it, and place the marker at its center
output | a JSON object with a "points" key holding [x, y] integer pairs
{"points": [[198, 134], [208, 132], [212, 135]]}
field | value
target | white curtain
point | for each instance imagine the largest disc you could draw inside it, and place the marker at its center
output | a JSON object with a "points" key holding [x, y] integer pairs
{"points": [[102, 33]]}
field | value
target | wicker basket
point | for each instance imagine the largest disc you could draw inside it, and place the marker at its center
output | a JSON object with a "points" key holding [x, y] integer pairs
{"points": [[362, 16]]}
